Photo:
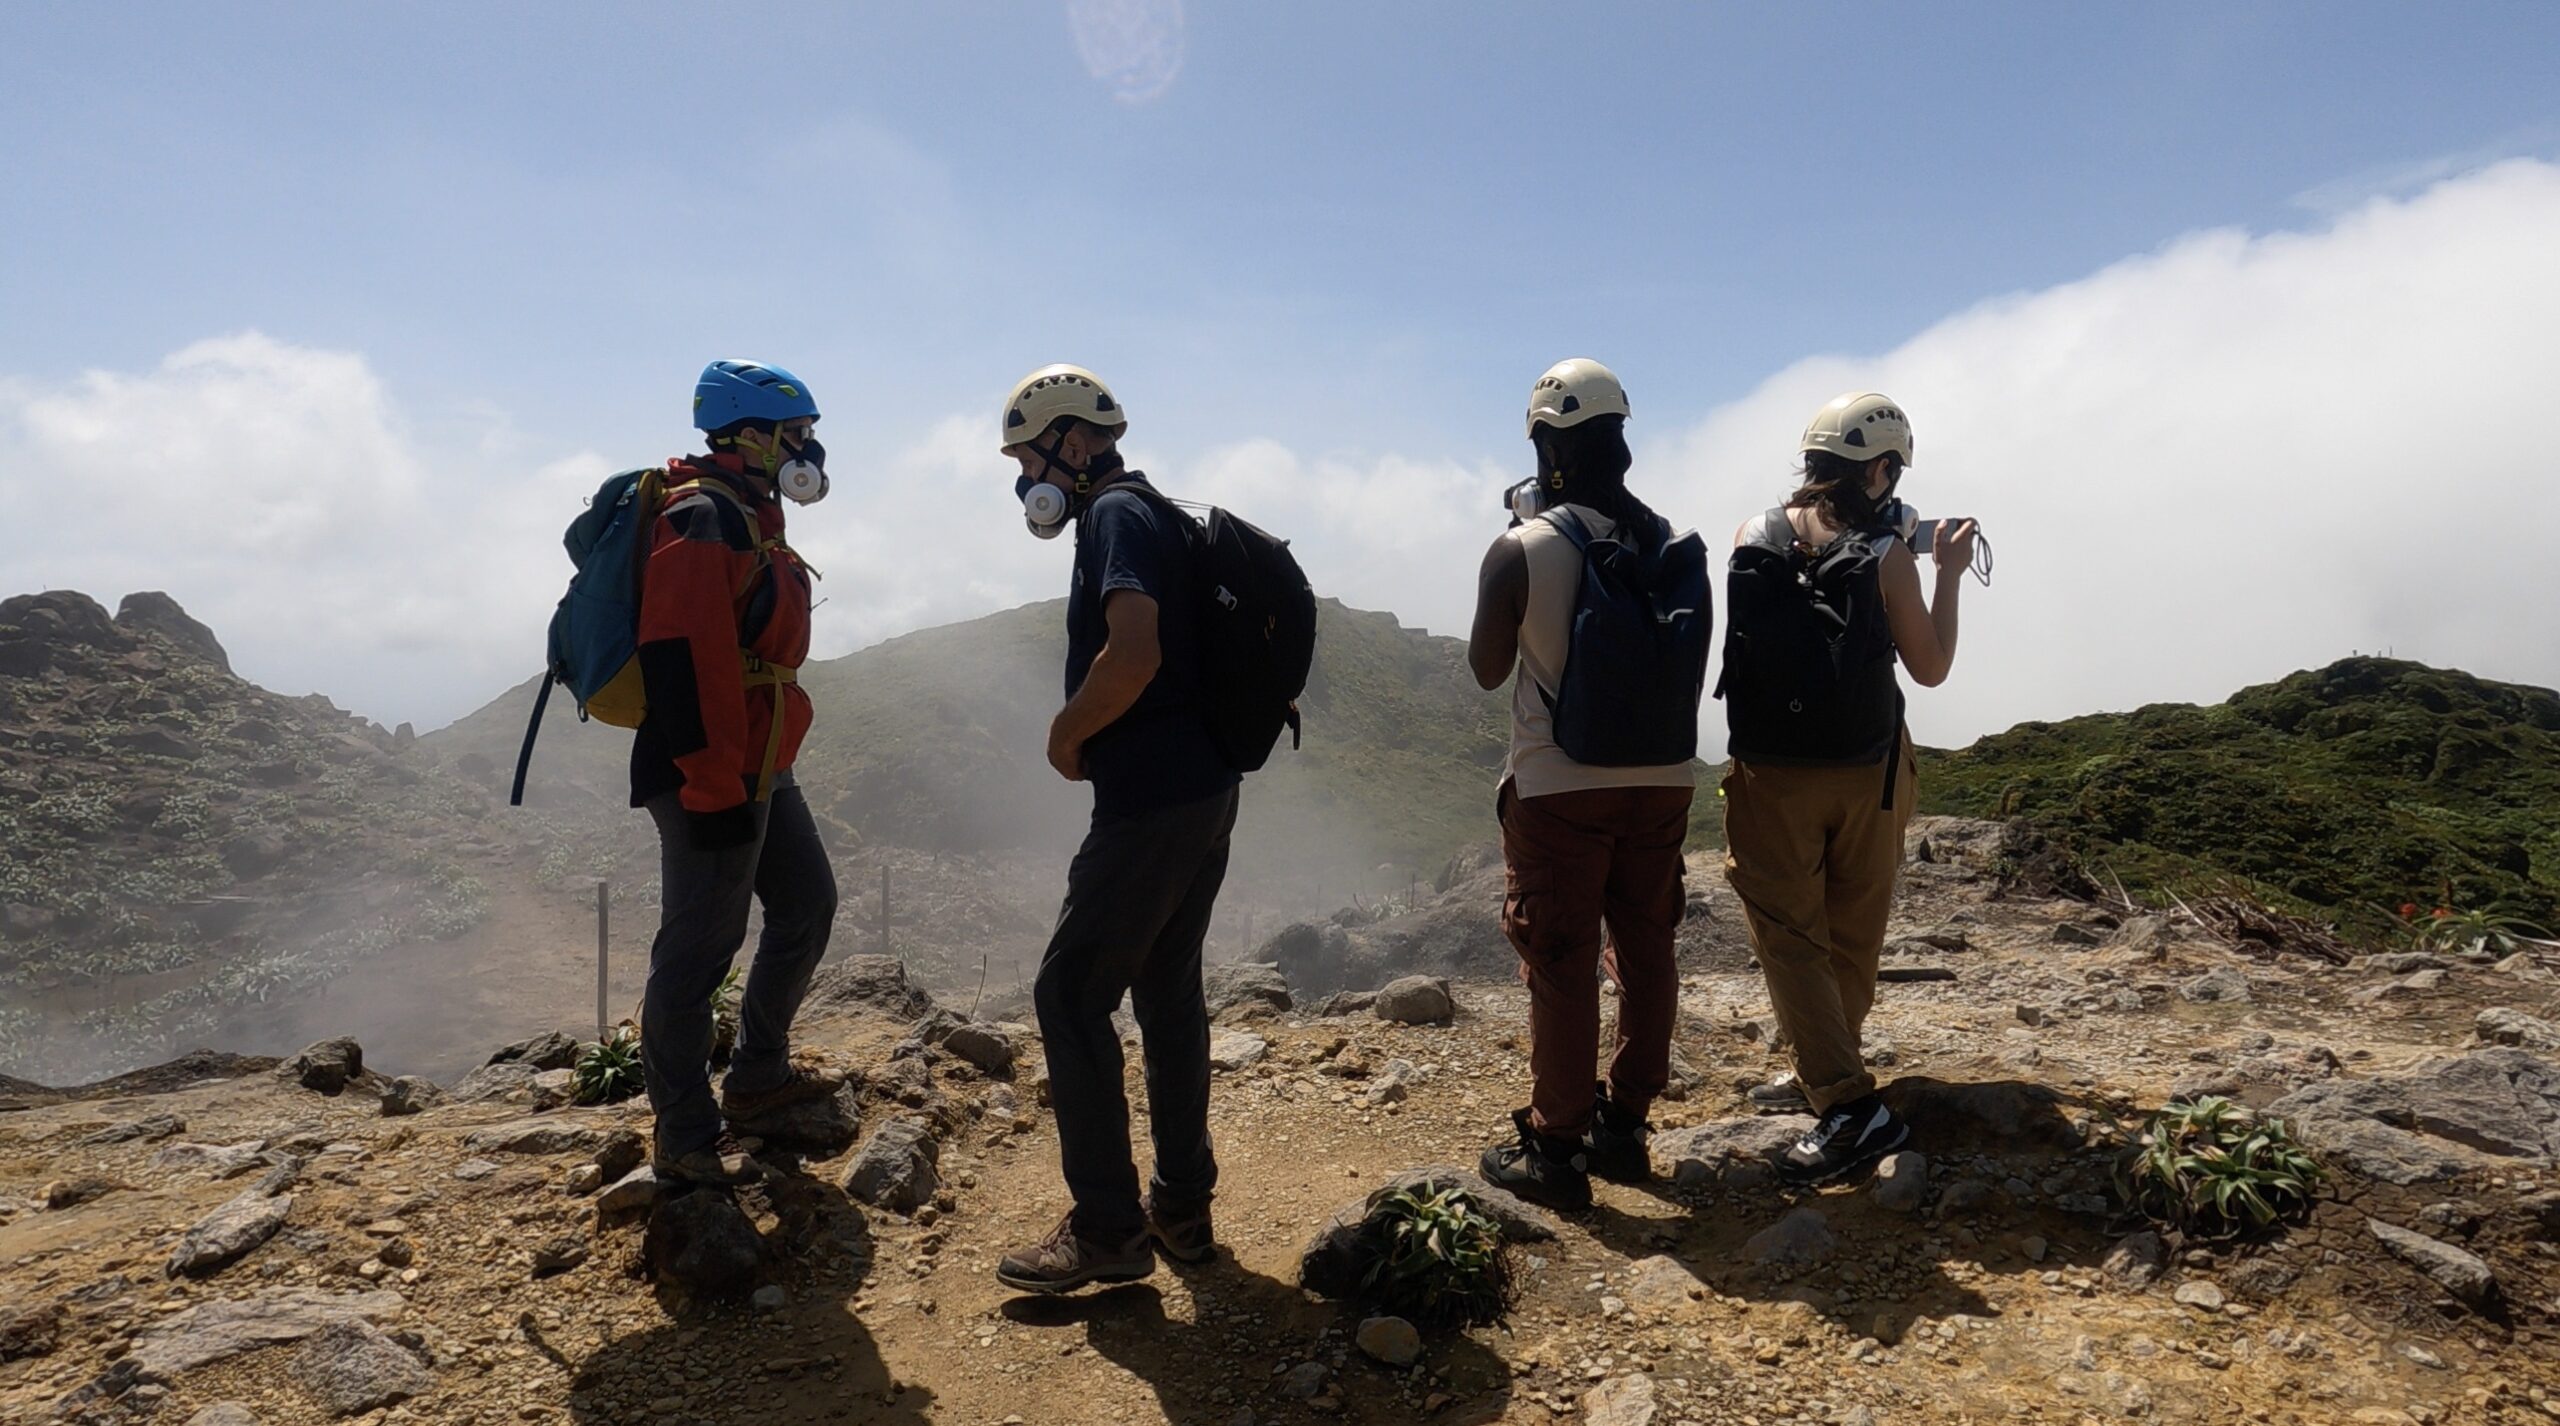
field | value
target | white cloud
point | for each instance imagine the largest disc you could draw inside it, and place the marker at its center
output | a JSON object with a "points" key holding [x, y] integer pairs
{"points": [[275, 492], [2235, 457], [2203, 467]]}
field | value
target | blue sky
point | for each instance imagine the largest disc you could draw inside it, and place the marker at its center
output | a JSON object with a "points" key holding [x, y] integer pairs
{"points": [[1357, 231]]}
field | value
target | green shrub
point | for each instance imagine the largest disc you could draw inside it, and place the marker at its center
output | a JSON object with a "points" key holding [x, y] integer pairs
{"points": [[1437, 1259], [2214, 1169], [608, 1070]]}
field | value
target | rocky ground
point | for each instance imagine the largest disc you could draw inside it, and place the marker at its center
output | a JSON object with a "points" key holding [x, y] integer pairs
{"points": [[229, 1241]]}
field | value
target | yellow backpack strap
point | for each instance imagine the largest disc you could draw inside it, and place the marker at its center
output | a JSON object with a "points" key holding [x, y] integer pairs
{"points": [[758, 673]]}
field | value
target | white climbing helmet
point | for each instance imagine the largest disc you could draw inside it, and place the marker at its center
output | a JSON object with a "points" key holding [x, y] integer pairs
{"points": [[1859, 426], [1038, 400], [1573, 391]]}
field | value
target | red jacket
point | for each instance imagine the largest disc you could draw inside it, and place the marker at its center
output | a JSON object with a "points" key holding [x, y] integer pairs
{"points": [[709, 593]]}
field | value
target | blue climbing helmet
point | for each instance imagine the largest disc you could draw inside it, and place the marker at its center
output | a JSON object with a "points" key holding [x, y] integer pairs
{"points": [[733, 391]]}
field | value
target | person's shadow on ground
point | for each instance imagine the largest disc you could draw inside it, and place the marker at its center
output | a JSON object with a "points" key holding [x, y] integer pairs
{"points": [[1208, 1369], [728, 1364]]}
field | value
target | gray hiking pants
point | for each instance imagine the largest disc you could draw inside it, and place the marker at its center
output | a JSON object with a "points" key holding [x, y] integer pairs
{"points": [[1139, 896], [702, 920]]}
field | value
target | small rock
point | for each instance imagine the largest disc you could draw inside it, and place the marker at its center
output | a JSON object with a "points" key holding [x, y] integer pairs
{"points": [[509, 1083], [583, 1180], [1226, 987], [1416, 1000], [622, 1151], [1620, 1401], [158, 1126], [551, 1089], [1902, 1182], [2030, 1015], [1305, 1381], [224, 1413], [221, 1160], [325, 1066], [1800, 1239], [635, 1190], [988, 1048], [2034, 1248], [770, 1298], [558, 1256], [1663, 1286], [813, 1128], [1739, 1153], [2456, 1271], [1232, 1050], [409, 1094], [352, 1367], [229, 1233], [898, 1168], [703, 1244], [30, 1331], [2500, 1025], [2220, 984], [1391, 1340], [396, 1253], [474, 1170], [550, 1050], [1393, 1084], [2199, 1294], [2071, 933], [65, 1193]]}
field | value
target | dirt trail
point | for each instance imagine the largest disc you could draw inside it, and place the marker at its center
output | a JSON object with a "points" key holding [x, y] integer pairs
{"points": [[1995, 1303]]}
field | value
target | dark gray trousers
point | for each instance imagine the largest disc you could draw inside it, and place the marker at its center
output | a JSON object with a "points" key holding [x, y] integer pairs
{"points": [[1139, 896], [702, 921]]}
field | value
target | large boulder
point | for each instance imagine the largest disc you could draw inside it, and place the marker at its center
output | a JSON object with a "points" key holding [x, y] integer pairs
{"points": [[230, 1233], [1416, 1000], [1336, 1258], [326, 1066], [1245, 984], [508, 1083], [2490, 1109], [899, 1169], [150, 611], [870, 982]]}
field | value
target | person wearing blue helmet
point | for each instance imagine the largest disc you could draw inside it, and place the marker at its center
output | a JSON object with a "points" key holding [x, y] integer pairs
{"points": [[724, 628]]}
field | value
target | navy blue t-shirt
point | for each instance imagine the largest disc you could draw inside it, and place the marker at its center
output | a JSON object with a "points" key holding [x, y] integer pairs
{"points": [[1158, 754]]}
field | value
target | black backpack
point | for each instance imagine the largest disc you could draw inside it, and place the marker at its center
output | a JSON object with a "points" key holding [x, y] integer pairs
{"points": [[1808, 657], [1637, 659], [1257, 620]]}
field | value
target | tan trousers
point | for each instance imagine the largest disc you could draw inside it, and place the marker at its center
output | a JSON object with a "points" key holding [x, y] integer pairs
{"points": [[1813, 853]]}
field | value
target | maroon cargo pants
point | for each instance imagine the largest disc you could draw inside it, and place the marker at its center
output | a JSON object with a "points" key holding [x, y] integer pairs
{"points": [[1574, 862]]}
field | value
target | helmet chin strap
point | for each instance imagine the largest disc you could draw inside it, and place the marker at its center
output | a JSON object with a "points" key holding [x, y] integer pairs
{"points": [[1050, 459]]}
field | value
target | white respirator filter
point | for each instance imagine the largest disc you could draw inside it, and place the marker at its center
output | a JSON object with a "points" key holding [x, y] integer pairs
{"points": [[802, 481], [1044, 509]]}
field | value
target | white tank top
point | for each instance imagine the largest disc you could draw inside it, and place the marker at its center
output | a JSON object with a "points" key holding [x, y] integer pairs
{"points": [[1537, 766]]}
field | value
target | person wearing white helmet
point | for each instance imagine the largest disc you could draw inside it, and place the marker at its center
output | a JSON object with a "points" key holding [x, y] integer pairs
{"points": [[1144, 884], [1823, 598], [1591, 833]]}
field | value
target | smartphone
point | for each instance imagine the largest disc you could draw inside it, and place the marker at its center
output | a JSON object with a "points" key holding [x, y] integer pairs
{"points": [[1925, 535]]}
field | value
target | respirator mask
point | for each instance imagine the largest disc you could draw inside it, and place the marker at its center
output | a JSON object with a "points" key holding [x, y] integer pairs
{"points": [[1527, 500], [802, 474], [1044, 506]]}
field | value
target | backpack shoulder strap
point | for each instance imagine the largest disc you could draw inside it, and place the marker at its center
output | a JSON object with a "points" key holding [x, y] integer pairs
{"points": [[1566, 523]]}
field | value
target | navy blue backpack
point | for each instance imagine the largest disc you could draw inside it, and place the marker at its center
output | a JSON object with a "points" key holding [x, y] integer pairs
{"points": [[1636, 666]]}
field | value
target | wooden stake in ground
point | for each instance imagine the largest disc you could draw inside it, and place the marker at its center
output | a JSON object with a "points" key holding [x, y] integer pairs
{"points": [[604, 894]]}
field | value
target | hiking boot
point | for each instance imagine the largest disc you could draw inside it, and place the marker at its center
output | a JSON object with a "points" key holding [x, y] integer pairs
{"points": [[1782, 1095], [718, 1164], [800, 1086], [1181, 1230], [1539, 1168], [1615, 1146], [1067, 1260], [1849, 1137]]}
